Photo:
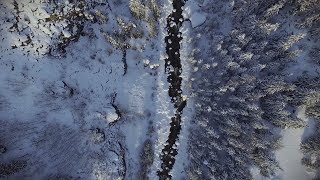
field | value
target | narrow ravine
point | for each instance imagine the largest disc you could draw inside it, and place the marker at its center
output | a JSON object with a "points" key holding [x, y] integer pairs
{"points": [[173, 68]]}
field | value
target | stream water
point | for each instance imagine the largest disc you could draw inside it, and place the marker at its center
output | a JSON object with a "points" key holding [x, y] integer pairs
{"points": [[174, 69]]}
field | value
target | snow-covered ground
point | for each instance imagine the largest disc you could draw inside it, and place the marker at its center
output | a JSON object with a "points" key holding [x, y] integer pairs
{"points": [[289, 156], [84, 92], [86, 88]]}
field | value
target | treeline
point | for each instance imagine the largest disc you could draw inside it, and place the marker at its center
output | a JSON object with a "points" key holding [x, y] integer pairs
{"points": [[308, 95], [242, 89]]}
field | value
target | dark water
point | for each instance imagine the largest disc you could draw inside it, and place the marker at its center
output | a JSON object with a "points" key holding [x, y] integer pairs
{"points": [[174, 69]]}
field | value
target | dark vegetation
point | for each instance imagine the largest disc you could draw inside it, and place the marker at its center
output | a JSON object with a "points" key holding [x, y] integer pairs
{"points": [[241, 86]]}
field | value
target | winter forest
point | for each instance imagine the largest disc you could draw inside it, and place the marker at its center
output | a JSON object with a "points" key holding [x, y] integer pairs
{"points": [[160, 89]]}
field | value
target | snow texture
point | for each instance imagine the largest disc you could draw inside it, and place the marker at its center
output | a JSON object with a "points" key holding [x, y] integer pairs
{"points": [[84, 93]]}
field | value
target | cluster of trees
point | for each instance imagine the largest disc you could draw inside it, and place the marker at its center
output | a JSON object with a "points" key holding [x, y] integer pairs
{"points": [[66, 21], [242, 93], [307, 12], [311, 149], [308, 95], [148, 11], [309, 87], [308, 16], [60, 21]]}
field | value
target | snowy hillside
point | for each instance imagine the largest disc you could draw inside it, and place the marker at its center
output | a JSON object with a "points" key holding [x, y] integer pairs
{"points": [[159, 89]]}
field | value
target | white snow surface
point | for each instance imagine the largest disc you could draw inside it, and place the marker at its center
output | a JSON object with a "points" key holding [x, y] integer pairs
{"points": [[290, 155], [38, 86], [192, 11], [197, 19]]}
